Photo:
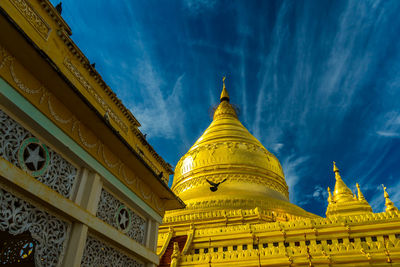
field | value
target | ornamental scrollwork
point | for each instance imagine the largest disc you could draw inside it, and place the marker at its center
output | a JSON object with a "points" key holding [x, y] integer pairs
{"points": [[232, 148], [97, 253], [24, 150], [50, 233], [32, 17], [244, 178], [120, 216]]}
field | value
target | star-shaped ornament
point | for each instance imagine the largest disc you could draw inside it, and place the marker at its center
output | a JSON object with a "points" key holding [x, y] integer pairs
{"points": [[123, 219], [34, 157]]}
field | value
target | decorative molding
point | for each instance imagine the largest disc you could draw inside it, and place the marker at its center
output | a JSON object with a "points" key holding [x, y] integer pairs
{"points": [[272, 163], [55, 16], [242, 178], [33, 17], [96, 76], [109, 112], [269, 210]]}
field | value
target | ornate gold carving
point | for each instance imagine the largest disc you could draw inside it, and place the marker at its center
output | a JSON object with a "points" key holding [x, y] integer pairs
{"points": [[95, 95], [243, 178], [32, 16]]}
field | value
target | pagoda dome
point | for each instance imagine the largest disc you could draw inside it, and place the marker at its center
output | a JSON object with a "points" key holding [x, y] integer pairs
{"points": [[228, 168]]}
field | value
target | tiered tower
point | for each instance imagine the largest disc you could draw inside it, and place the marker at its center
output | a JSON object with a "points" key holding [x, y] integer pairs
{"points": [[228, 171]]}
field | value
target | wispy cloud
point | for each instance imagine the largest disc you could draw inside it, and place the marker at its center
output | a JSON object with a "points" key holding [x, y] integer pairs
{"points": [[196, 7], [292, 168], [387, 134], [389, 125], [158, 114]]}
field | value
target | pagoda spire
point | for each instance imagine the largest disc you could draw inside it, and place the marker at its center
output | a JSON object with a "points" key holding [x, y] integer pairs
{"points": [[344, 201], [388, 203], [360, 194], [224, 94], [341, 192]]}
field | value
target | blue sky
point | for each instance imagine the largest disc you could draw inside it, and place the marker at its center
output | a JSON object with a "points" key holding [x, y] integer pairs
{"points": [[315, 81]]}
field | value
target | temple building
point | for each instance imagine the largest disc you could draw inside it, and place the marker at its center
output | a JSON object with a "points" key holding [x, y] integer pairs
{"points": [[238, 211], [79, 183], [81, 186]]}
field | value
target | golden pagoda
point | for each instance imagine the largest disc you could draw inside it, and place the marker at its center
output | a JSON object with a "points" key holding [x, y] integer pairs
{"points": [[238, 210]]}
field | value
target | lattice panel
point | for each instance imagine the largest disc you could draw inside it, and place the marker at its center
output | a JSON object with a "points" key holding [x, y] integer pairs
{"points": [[115, 213], [21, 148], [50, 233], [97, 253]]}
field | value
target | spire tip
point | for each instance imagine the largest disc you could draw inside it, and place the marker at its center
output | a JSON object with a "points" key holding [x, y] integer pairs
{"points": [[224, 93], [335, 169]]}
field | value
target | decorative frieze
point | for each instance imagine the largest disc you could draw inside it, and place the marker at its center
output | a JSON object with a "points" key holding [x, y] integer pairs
{"points": [[24, 150], [97, 253], [118, 215], [50, 233], [33, 17], [242, 178]]}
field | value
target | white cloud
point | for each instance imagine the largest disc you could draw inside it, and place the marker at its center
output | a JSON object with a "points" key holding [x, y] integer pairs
{"points": [[387, 134], [319, 192], [276, 147]]}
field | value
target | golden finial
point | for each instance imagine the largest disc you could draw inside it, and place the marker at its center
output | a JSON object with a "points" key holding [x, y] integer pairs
{"points": [[359, 193], [224, 93], [388, 203], [335, 169]]}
